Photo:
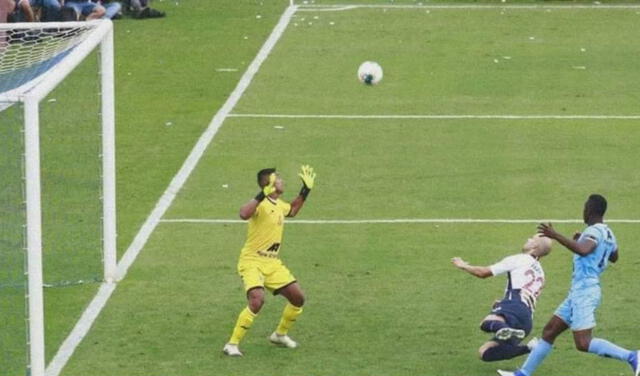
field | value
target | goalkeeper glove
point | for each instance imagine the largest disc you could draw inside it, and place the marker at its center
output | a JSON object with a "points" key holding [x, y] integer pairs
{"points": [[308, 177], [267, 189]]}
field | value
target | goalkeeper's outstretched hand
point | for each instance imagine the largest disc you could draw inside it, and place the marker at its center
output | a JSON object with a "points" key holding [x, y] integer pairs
{"points": [[270, 187], [308, 176]]}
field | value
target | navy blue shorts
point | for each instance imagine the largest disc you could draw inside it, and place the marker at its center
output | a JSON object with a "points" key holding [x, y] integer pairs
{"points": [[516, 314]]}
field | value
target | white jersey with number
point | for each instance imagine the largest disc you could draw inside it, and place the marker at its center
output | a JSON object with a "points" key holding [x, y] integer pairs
{"points": [[525, 276]]}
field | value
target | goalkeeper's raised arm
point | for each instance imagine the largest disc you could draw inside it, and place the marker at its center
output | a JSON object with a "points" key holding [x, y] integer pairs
{"points": [[308, 178], [272, 187]]}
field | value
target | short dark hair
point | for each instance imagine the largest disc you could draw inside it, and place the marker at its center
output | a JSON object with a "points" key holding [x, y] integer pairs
{"points": [[597, 203], [264, 174]]}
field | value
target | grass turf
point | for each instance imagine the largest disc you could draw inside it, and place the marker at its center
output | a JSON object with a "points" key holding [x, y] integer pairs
{"points": [[381, 298]]}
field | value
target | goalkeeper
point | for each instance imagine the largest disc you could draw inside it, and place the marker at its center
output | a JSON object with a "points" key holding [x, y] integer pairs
{"points": [[259, 265]]}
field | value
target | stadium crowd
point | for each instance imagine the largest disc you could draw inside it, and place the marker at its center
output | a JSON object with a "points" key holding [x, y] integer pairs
{"points": [[74, 10]]}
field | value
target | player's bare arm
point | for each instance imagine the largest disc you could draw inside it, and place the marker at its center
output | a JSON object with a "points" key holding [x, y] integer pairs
{"points": [[613, 257], [478, 271], [247, 210], [581, 248], [296, 205]]}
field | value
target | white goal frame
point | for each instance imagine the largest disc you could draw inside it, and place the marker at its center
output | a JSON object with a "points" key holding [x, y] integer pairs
{"points": [[31, 94]]}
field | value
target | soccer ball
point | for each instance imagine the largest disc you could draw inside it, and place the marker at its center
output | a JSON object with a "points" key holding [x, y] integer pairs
{"points": [[370, 73]]}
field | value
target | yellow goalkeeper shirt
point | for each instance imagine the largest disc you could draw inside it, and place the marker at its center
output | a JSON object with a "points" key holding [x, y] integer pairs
{"points": [[265, 230]]}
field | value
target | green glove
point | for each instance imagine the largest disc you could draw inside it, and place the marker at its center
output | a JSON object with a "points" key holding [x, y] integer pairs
{"points": [[308, 177], [267, 189], [270, 187]]}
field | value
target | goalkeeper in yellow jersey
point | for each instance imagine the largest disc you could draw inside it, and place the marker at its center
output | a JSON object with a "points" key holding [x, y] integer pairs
{"points": [[259, 266]]}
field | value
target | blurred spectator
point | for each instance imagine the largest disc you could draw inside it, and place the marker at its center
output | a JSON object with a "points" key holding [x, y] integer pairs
{"points": [[22, 12], [6, 8], [74, 10], [112, 8], [140, 9], [49, 9], [82, 9]]}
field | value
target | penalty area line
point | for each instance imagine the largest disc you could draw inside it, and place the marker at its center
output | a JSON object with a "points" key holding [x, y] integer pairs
{"points": [[393, 221]]}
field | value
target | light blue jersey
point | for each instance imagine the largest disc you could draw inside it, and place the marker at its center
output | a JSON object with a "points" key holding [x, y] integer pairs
{"points": [[578, 309], [587, 269]]}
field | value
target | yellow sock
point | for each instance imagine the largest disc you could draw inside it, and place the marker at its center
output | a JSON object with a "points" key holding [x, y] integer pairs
{"points": [[245, 320], [289, 316]]}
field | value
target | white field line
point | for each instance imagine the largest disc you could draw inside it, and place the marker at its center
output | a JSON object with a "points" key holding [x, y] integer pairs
{"points": [[394, 221], [312, 7], [329, 9], [453, 116], [80, 330], [83, 326]]}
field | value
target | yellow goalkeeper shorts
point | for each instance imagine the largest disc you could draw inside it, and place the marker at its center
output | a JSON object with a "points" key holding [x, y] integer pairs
{"points": [[272, 275]]}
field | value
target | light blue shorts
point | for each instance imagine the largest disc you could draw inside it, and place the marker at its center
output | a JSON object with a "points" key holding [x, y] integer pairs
{"points": [[578, 310]]}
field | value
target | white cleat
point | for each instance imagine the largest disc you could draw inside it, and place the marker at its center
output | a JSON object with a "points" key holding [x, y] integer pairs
{"points": [[231, 350], [505, 373], [508, 333], [635, 363], [532, 343], [283, 340]]}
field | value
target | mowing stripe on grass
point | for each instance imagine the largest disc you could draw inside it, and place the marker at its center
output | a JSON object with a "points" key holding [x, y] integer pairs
{"points": [[89, 316], [505, 117], [394, 221]]}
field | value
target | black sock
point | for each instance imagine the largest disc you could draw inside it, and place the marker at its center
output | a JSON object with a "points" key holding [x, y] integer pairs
{"points": [[504, 351]]}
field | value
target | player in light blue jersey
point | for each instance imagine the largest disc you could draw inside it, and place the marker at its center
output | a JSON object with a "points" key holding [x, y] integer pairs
{"points": [[594, 248]]}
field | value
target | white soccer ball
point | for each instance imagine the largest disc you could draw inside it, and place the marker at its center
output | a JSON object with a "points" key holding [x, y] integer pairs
{"points": [[370, 73]]}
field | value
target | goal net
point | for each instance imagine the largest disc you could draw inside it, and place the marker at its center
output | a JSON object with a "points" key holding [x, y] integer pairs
{"points": [[57, 198]]}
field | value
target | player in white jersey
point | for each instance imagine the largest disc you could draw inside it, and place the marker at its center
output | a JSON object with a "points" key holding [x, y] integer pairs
{"points": [[511, 318], [593, 249]]}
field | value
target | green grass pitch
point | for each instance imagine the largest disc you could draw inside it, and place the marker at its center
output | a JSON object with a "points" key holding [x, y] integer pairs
{"points": [[382, 299]]}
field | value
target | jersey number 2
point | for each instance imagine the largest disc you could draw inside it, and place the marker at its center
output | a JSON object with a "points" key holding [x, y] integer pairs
{"points": [[529, 285]]}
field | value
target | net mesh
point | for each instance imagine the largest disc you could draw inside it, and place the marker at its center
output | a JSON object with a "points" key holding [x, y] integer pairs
{"points": [[71, 181], [13, 354], [25, 54]]}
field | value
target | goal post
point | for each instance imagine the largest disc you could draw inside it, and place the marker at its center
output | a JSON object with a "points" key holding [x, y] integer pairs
{"points": [[35, 301], [34, 59]]}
